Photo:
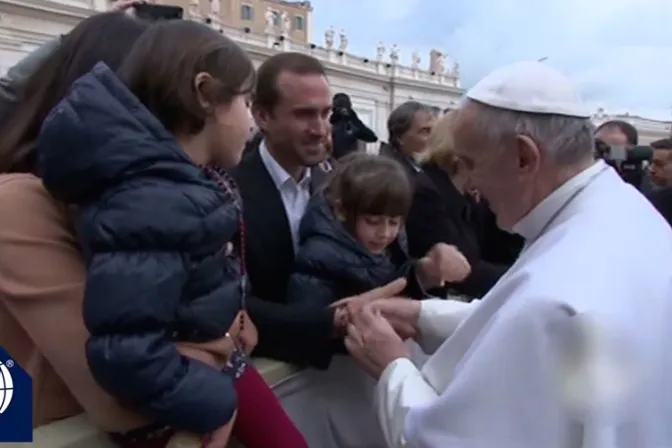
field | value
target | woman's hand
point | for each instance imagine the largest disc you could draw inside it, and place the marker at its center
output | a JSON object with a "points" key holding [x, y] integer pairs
{"points": [[244, 332]]}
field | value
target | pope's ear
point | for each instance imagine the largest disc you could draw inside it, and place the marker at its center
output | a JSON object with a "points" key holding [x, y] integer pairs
{"points": [[529, 154]]}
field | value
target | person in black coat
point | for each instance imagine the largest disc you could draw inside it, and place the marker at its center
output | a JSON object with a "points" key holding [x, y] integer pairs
{"points": [[346, 128], [661, 199], [352, 237], [443, 212], [159, 225]]}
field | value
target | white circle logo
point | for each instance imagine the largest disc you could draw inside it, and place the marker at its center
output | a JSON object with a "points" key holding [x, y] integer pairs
{"points": [[6, 385]]}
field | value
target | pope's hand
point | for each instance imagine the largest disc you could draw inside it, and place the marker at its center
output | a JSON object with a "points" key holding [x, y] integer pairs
{"points": [[355, 303], [372, 341], [402, 314], [442, 264]]}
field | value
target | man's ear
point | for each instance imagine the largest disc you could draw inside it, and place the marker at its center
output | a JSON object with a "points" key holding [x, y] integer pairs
{"points": [[261, 117]]}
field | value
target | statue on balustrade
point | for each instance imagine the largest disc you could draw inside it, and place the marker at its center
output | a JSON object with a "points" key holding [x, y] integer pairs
{"points": [[329, 38], [440, 64], [269, 16], [456, 70], [214, 7], [343, 41], [380, 51], [394, 54], [194, 9], [415, 60], [600, 114], [285, 24]]}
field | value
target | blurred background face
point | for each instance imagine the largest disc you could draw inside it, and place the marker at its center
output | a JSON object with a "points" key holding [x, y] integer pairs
{"points": [[661, 167], [298, 126], [414, 141], [504, 173], [612, 136]]}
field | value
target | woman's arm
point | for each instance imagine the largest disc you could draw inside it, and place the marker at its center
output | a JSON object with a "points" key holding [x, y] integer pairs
{"points": [[42, 285]]}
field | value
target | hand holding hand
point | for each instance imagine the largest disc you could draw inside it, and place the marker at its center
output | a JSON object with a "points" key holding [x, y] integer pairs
{"points": [[372, 341], [442, 264], [355, 303], [244, 332], [402, 314]]}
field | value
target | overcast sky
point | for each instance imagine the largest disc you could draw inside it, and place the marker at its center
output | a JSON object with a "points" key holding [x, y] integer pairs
{"points": [[618, 51]]}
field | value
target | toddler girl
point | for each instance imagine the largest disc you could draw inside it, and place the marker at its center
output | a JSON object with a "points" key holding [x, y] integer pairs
{"points": [[352, 238], [141, 154]]}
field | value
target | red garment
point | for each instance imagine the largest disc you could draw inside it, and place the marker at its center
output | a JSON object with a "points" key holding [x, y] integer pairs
{"points": [[261, 420]]}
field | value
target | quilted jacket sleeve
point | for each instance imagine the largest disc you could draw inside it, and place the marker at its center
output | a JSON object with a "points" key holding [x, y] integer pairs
{"points": [[311, 290], [130, 300]]}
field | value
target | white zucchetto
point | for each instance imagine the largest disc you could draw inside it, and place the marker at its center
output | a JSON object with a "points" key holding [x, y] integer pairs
{"points": [[530, 86]]}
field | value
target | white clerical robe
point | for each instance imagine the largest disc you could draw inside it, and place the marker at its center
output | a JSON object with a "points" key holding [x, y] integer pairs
{"points": [[497, 377]]}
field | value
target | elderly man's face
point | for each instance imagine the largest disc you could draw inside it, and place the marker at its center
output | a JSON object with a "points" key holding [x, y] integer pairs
{"points": [[503, 172]]}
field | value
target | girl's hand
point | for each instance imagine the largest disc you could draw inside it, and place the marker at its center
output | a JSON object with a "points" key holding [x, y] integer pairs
{"points": [[442, 264]]}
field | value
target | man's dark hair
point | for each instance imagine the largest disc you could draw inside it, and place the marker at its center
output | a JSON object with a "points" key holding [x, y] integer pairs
{"points": [[88, 43], [663, 143], [366, 184], [626, 128], [267, 94], [161, 67], [341, 100]]}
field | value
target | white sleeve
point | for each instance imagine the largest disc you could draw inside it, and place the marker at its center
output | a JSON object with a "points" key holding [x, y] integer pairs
{"points": [[400, 389], [503, 394], [439, 318]]}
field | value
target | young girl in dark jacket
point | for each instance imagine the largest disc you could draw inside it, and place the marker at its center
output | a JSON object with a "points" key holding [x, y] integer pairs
{"points": [[141, 154], [352, 238]]}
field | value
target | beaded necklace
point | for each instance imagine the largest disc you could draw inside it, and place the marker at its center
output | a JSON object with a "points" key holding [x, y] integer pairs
{"points": [[229, 187]]}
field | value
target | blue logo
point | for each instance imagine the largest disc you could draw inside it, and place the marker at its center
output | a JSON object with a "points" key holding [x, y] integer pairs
{"points": [[16, 401]]}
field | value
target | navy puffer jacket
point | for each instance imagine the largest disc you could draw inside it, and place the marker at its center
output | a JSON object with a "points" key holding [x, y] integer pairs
{"points": [[332, 264], [153, 229]]}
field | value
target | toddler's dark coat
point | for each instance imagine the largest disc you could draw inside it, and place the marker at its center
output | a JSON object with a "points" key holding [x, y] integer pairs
{"points": [[153, 228], [332, 264]]}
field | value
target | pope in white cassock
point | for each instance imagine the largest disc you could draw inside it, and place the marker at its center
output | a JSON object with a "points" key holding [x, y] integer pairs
{"points": [[572, 347]]}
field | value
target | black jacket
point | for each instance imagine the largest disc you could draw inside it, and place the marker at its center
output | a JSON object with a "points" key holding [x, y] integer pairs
{"points": [[347, 130], [153, 228], [662, 201], [287, 332], [441, 214], [332, 264]]}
